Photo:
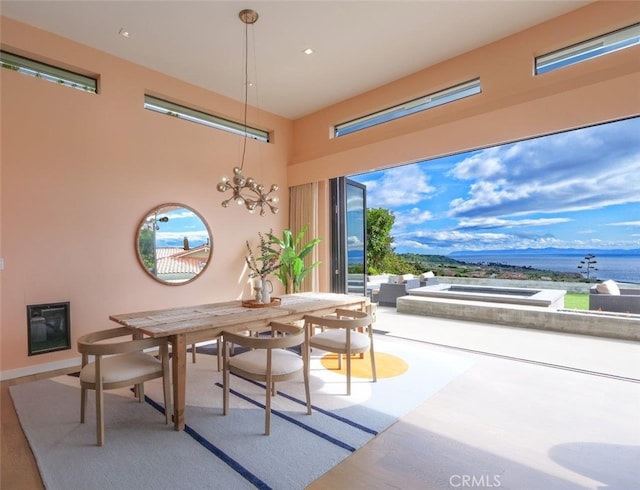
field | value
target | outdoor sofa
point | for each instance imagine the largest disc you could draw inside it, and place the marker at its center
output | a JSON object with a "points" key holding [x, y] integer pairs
{"points": [[386, 293], [608, 296]]}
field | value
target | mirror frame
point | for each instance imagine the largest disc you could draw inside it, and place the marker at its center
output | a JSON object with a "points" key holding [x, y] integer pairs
{"points": [[166, 207]]}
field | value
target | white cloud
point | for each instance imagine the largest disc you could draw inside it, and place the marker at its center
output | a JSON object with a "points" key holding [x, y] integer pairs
{"points": [[578, 170], [413, 217], [625, 223], [354, 242], [492, 222], [400, 186]]}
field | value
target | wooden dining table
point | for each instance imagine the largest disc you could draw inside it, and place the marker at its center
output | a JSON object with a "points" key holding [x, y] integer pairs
{"points": [[186, 325]]}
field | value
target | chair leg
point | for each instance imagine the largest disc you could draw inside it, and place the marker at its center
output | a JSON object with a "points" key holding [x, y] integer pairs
{"points": [[99, 414], [218, 349], [348, 373], [83, 403], [166, 382], [270, 386], [99, 402], [225, 382], [373, 362], [140, 392], [267, 410], [307, 391], [193, 354]]}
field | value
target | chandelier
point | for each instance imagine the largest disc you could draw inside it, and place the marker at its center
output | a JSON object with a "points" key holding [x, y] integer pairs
{"points": [[245, 191]]}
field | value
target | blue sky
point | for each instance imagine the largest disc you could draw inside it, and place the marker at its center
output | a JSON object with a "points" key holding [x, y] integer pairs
{"points": [[182, 223], [578, 189]]}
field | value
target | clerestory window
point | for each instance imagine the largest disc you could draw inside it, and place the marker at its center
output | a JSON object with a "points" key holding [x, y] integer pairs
{"points": [[445, 96], [48, 72]]}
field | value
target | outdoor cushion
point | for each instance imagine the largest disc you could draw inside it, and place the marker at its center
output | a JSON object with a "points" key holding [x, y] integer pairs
{"points": [[425, 276], [121, 367], [403, 278], [255, 361], [336, 338], [608, 287]]}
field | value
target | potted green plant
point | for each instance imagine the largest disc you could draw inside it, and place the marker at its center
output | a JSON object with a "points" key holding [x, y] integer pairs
{"points": [[291, 254]]}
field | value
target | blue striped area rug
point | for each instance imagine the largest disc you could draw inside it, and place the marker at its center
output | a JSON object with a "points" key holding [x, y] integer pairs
{"points": [[217, 451]]}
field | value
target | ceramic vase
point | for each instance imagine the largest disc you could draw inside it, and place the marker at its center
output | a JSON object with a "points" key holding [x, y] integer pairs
{"points": [[267, 289]]}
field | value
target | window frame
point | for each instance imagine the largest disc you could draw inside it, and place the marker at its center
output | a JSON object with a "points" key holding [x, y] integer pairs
{"points": [[587, 50], [451, 94], [48, 72], [163, 106]]}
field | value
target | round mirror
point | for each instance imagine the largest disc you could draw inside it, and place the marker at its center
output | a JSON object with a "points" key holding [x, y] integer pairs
{"points": [[174, 244]]}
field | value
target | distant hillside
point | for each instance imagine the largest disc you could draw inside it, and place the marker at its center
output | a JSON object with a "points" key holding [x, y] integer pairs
{"points": [[447, 266], [547, 251]]}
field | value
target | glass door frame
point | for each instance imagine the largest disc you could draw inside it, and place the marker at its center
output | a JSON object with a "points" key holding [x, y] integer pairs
{"points": [[341, 280]]}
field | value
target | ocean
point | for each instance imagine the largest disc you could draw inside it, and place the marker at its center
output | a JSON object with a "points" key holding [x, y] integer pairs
{"points": [[621, 268]]}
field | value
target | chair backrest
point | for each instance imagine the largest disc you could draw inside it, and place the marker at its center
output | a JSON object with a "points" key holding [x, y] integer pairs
{"points": [[91, 344], [294, 336], [342, 319]]}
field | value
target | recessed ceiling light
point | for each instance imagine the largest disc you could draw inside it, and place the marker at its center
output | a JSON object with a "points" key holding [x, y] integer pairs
{"points": [[308, 51], [123, 32]]}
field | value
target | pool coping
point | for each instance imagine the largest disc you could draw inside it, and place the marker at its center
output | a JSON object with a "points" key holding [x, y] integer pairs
{"points": [[548, 298]]}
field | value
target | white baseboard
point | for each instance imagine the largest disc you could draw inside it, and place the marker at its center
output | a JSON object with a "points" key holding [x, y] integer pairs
{"points": [[40, 368]]}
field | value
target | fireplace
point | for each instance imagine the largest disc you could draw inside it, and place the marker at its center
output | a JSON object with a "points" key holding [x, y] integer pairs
{"points": [[49, 329]]}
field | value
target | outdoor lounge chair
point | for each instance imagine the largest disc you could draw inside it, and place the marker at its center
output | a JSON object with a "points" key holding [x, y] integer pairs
{"points": [[390, 292], [608, 296]]}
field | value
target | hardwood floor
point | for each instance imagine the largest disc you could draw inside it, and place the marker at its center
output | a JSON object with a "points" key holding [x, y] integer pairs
{"points": [[18, 469]]}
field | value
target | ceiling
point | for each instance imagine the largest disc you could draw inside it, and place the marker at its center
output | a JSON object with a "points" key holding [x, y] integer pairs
{"points": [[358, 45]]}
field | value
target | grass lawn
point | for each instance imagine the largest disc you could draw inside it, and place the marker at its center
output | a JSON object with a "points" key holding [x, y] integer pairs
{"points": [[576, 301]]}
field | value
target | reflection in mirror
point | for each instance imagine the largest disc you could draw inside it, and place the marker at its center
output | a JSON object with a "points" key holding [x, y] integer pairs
{"points": [[174, 244]]}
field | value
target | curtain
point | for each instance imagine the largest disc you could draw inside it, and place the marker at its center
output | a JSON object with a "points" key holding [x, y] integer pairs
{"points": [[303, 211]]}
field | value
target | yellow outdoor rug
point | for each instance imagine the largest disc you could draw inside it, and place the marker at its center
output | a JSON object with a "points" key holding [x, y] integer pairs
{"points": [[387, 365]]}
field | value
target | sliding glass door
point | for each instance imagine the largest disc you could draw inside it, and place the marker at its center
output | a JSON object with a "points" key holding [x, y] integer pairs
{"points": [[349, 251]]}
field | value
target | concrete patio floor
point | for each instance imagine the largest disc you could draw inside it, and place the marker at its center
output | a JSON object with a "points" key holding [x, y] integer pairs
{"points": [[536, 410], [581, 352]]}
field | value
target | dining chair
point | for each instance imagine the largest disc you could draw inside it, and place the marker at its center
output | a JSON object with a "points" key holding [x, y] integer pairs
{"points": [[218, 352], [118, 364], [268, 361], [340, 335]]}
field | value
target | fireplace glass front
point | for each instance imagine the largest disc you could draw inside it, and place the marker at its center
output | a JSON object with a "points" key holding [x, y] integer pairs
{"points": [[49, 328]]}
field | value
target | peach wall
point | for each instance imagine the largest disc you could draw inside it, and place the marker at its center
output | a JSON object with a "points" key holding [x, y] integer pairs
{"points": [[513, 105], [79, 171]]}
